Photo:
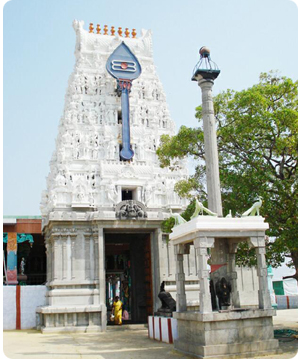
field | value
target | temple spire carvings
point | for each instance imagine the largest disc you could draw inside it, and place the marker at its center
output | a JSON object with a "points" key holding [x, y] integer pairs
{"points": [[86, 171]]}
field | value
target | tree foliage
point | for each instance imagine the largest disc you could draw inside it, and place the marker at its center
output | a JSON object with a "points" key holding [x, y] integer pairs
{"points": [[257, 134]]}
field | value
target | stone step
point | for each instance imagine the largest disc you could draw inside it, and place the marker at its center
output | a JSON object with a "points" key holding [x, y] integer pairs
{"points": [[127, 327]]}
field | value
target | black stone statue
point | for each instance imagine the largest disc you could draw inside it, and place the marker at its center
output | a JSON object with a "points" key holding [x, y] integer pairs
{"points": [[168, 304], [213, 295], [223, 290]]}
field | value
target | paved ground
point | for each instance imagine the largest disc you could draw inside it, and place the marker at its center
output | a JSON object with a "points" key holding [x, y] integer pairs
{"points": [[116, 343]]}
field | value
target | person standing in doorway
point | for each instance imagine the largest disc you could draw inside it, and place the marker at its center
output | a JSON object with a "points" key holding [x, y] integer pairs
{"points": [[117, 310]]}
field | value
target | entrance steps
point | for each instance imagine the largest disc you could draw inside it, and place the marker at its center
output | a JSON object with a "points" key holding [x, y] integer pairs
{"points": [[127, 327]]}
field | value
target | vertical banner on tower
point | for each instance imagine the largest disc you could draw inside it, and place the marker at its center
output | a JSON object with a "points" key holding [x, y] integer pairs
{"points": [[12, 258]]}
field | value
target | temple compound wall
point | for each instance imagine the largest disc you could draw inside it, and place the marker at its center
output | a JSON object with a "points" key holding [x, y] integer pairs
{"points": [[102, 214]]}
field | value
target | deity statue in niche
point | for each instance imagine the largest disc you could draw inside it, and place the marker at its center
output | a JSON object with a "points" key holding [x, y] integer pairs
{"points": [[76, 84], [80, 193], [112, 193], [60, 180], [61, 154], [101, 152], [111, 150], [147, 193], [223, 290], [141, 150], [67, 138], [22, 266], [95, 152]]}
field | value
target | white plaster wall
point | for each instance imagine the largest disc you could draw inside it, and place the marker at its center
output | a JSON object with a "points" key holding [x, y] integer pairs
{"points": [[9, 307], [31, 297]]}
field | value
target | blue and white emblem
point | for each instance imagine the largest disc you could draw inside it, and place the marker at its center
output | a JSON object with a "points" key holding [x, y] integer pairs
{"points": [[125, 67]]}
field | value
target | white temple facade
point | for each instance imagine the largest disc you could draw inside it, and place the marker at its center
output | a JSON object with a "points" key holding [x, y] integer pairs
{"points": [[102, 215]]}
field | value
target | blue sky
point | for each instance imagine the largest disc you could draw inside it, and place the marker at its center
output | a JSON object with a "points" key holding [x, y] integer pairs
{"points": [[245, 37]]}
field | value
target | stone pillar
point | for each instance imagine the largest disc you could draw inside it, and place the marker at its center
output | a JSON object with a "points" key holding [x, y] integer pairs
{"points": [[56, 264], [69, 258], [101, 254], [64, 257], [119, 190], [235, 296], [80, 256], [139, 193], [180, 250], [211, 148], [201, 245], [49, 260], [12, 247], [73, 275], [264, 299], [156, 264], [92, 259]]}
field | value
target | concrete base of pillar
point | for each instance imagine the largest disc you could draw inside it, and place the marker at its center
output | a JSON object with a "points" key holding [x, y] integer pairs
{"points": [[91, 318], [226, 335], [162, 314]]}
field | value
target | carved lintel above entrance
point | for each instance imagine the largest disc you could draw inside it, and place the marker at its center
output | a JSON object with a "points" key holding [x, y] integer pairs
{"points": [[131, 209]]}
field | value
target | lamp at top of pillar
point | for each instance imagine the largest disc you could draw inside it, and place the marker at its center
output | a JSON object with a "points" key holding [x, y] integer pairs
{"points": [[205, 67], [205, 72]]}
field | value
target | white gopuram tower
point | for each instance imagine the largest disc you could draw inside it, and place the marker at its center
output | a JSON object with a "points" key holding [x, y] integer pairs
{"points": [[101, 214]]}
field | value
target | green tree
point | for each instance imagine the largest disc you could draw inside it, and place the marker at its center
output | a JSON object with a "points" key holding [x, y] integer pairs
{"points": [[257, 133]]}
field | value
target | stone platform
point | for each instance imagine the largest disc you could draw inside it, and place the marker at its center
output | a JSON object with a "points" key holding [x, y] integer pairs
{"points": [[80, 318], [232, 334]]}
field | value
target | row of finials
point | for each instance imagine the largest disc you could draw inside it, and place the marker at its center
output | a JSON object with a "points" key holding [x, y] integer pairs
{"points": [[112, 31]]}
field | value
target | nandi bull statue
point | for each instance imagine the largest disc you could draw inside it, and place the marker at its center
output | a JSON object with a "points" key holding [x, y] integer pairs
{"points": [[168, 304]]}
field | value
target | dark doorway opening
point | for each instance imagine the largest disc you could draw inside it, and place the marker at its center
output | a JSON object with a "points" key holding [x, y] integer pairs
{"points": [[128, 274], [127, 195]]}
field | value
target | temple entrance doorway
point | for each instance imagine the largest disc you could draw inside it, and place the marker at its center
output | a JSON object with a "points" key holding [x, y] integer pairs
{"points": [[129, 274]]}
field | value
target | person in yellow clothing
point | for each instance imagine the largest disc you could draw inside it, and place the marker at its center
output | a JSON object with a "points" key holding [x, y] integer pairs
{"points": [[117, 309]]}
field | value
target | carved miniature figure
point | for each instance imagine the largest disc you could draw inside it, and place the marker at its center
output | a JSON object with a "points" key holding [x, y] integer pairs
{"points": [[22, 266], [139, 211], [178, 219], [252, 211], [130, 209], [200, 208]]}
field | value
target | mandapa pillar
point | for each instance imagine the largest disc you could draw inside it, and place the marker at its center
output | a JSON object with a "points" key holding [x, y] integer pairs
{"points": [[201, 245], [179, 251], [264, 298], [235, 296]]}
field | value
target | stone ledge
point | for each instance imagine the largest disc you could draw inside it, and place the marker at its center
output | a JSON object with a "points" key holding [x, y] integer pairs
{"points": [[73, 282], [214, 316], [74, 309], [218, 227], [78, 329], [73, 292]]}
